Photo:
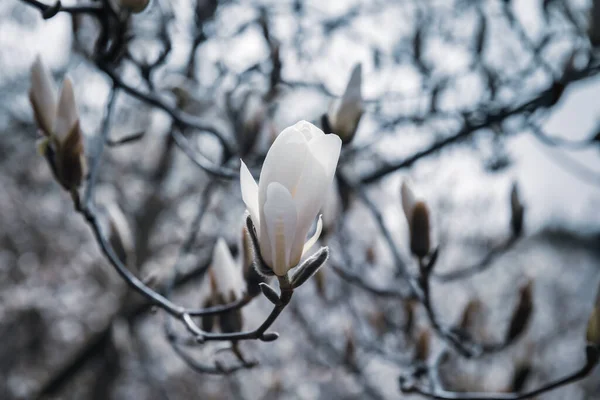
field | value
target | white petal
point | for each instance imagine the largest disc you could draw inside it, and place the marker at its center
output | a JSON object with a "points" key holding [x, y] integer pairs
{"points": [[250, 195], [313, 239], [326, 150], [228, 276], [408, 199], [66, 114], [43, 93], [280, 225], [316, 179], [283, 162], [308, 130]]}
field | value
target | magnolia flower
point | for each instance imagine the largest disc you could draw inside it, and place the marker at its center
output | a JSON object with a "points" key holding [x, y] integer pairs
{"points": [[228, 279], [59, 123], [295, 177], [226, 286], [417, 216], [344, 113]]}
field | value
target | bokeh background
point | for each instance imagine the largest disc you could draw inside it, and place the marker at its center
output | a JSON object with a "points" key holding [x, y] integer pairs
{"points": [[70, 328]]}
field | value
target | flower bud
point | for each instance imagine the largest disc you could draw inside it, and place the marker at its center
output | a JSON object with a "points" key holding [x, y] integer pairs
{"points": [[419, 232], [417, 216], [227, 286], [422, 346], [58, 121], [517, 211], [135, 6], [310, 267], [521, 314], [344, 114]]}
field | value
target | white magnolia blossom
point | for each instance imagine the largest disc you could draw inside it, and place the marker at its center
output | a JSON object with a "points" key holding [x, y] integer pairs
{"points": [[344, 113], [58, 120], [55, 117], [227, 274], [295, 177]]}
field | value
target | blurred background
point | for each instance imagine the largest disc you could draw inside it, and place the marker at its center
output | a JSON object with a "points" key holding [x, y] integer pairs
{"points": [[465, 98]]}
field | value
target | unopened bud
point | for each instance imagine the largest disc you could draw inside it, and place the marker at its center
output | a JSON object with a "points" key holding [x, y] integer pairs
{"points": [[345, 113], [419, 230], [58, 120], [521, 314], [270, 294], [310, 267], [422, 346], [135, 6], [417, 216], [517, 211]]}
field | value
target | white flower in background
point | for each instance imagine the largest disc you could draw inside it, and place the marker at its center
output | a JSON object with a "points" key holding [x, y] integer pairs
{"points": [[417, 216], [297, 172], [344, 113], [227, 275], [58, 120]]}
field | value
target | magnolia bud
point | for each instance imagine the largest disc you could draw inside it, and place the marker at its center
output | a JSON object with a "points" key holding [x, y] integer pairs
{"points": [[419, 230], [344, 113], [517, 211], [417, 216], [309, 267], [58, 120], [422, 346], [521, 314], [135, 6]]}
